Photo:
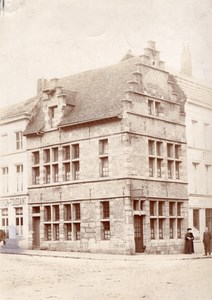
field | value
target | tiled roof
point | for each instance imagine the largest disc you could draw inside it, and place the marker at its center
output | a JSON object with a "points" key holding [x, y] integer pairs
{"points": [[99, 92], [195, 90], [17, 110]]}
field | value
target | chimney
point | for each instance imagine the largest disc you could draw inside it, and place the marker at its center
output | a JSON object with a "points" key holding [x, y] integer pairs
{"points": [[186, 64], [41, 85]]}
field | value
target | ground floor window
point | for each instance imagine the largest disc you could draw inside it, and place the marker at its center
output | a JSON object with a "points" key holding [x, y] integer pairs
{"points": [[165, 214], [19, 220], [4, 218]]}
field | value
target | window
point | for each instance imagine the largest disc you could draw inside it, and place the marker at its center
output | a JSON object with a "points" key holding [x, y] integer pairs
{"points": [[104, 167], [4, 218], [152, 208], [105, 222], [75, 168], [103, 147], [47, 213], [36, 158], [177, 151], [151, 167], [55, 154], [170, 169], [19, 220], [75, 162], [177, 170], [19, 140], [105, 230], [169, 150], [159, 164], [154, 107], [105, 209], [47, 174], [161, 225], [66, 152], [67, 212], [75, 151], [19, 178], [171, 208], [151, 145], [72, 221], [76, 208], [171, 228], [51, 222], [5, 180], [55, 170], [52, 114], [161, 208], [196, 218], [35, 175], [179, 228], [46, 156], [138, 204], [103, 158], [179, 208], [150, 107], [66, 168], [155, 159], [153, 229], [76, 221]]}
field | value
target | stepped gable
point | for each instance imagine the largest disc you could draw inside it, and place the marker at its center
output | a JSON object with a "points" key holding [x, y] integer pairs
{"points": [[99, 92], [18, 109]]}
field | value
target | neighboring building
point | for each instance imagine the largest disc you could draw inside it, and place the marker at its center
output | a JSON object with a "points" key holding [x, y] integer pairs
{"points": [[13, 171], [199, 139], [107, 161]]}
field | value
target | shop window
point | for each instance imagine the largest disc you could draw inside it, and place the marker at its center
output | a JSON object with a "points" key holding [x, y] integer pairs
{"points": [[4, 219], [153, 228]]}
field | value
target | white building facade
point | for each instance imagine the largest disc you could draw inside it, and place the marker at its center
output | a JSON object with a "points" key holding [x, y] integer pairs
{"points": [[13, 173], [199, 152]]}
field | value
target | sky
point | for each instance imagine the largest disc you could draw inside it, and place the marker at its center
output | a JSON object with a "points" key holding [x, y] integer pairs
{"points": [[57, 38]]}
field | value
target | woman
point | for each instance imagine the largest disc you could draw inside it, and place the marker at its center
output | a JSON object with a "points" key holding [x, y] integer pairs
{"points": [[189, 244]]}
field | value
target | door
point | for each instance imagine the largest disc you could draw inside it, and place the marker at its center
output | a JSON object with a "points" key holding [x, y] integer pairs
{"points": [[36, 232], [138, 233]]}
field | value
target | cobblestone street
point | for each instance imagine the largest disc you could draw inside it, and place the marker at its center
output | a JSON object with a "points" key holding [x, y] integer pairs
{"points": [[104, 277]]}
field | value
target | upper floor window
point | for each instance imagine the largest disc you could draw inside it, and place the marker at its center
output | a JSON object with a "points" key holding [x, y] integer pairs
{"points": [[154, 107], [52, 114], [19, 177], [103, 147], [19, 140]]}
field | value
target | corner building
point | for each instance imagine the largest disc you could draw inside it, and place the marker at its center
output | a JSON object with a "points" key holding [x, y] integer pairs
{"points": [[13, 172], [107, 160]]}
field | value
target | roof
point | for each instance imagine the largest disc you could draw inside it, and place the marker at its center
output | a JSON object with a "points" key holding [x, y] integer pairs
{"points": [[99, 92], [195, 91], [17, 110]]}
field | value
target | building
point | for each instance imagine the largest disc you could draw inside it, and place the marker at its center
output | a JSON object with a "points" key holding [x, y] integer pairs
{"points": [[107, 160], [199, 139], [13, 172]]}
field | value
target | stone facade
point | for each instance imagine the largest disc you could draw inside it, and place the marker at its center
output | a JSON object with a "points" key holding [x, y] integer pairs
{"points": [[107, 167]]}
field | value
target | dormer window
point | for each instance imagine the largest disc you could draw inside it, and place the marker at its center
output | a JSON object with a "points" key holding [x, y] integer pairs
{"points": [[52, 113]]}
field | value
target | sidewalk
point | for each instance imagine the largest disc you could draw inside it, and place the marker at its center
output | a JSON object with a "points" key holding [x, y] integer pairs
{"points": [[95, 256]]}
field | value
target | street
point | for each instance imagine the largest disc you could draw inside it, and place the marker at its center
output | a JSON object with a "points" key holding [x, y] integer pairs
{"points": [[39, 278]]}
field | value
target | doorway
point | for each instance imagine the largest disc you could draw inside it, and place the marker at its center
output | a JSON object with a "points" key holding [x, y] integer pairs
{"points": [[138, 233], [36, 232]]}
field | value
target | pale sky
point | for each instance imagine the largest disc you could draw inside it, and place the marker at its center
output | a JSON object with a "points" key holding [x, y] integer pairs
{"points": [[57, 38]]}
